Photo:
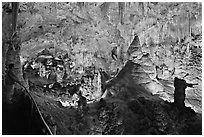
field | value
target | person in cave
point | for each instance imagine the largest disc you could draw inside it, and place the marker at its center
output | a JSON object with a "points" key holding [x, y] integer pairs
{"points": [[179, 93]]}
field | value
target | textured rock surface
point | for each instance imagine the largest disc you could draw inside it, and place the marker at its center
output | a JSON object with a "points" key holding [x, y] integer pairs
{"points": [[154, 43], [157, 69]]}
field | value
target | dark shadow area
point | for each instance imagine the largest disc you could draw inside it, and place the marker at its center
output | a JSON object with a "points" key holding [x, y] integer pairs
{"points": [[18, 118]]}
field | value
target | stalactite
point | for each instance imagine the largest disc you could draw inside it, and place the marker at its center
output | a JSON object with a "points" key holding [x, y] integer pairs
{"points": [[121, 7], [189, 34], [81, 4], [15, 14], [141, 5], [104, 9]]}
